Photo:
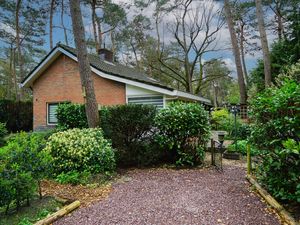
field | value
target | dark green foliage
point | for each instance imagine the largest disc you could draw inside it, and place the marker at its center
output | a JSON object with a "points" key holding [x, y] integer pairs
{"points": [[23, 165], [243, 131], [276, 118], [3, 132], [280, 173], [184, 130], [16, 115], [131, 129], [81, 150], [71, 116]]}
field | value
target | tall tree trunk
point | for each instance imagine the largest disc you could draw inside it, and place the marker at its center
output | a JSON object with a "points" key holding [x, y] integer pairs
{"points": [[62, 22], [15, 73], [236, 53], [280, 29], [84, 65], [98, 22], [93, 6], [264, 43], [113, 43], [51, 23], [242, 41], [19, 49], [278, 16], [12, 83]]}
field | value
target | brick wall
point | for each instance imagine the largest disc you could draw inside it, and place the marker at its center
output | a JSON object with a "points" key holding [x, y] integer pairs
{"points": [[61, 82]]}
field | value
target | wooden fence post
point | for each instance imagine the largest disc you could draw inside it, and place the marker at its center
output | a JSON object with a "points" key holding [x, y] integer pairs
{"points": [[249, 169], [212, 151]]}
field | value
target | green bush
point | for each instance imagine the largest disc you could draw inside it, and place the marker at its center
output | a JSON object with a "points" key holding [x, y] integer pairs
{"points": [[280, 173], [80, 150], [184, 130], [223, 120], [276, 118], [23, 165], [71, 116], [3, 132], [131, 129], [243, 131]]}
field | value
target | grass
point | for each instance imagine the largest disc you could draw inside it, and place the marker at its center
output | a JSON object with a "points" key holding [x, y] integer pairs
{"points": [[38, 209]]}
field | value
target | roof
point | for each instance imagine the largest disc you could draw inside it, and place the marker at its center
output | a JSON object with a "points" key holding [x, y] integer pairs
{"points": [[110, 70]]}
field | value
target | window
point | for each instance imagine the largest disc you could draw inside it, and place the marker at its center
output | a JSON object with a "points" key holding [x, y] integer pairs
{"points": [[157, 101], [51, 113]]}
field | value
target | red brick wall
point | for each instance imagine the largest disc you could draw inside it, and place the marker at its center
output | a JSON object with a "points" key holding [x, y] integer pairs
{"points": [[61, 82]]}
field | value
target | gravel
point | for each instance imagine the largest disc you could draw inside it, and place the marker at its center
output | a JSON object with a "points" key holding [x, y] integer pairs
{"points": [[166, 196]]}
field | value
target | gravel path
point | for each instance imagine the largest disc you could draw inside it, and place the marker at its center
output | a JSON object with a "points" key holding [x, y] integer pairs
{"points": [[165, 196]]}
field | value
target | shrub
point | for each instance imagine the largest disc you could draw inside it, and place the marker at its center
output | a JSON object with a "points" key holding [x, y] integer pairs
{"points": [[131, 129], [184, 129], [223, 120], [280, 173], [23, 164], [276, 118], [80, 150], [3, 132], [71, 116], [243, 131]]}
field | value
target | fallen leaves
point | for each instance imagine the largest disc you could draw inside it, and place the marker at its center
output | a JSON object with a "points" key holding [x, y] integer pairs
{"points": [[86, 195]]}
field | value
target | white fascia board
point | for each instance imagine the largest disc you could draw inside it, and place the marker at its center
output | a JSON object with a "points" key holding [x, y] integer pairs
{"points": [[41, 68], [193, 97]]}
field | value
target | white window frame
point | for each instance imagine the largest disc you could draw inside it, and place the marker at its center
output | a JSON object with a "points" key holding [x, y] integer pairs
{"points": [[47, 116], [145, 96]]}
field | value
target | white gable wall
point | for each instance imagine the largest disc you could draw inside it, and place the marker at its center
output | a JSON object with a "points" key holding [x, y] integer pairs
{"points": [[133, 91]]}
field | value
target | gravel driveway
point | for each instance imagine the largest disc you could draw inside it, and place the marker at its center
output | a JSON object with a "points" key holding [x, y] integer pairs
{"points": [[165, 196]]}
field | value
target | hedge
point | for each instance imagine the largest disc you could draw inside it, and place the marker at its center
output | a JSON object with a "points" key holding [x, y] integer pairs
{"points": [[16, 115]]}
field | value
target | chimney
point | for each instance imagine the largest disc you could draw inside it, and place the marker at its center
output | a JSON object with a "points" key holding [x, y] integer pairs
{"points": [[106, 54]]}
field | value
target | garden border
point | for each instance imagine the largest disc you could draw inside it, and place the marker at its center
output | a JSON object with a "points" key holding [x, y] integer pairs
{"points": [[60, 213], [285, 215]]}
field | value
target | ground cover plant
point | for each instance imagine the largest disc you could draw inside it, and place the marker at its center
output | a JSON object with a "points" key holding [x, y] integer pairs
{"points": [[241, 147], [39, 209], [183, 129]]}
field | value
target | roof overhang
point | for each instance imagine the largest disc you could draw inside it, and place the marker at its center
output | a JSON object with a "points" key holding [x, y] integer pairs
{"points": [[56, 52]]}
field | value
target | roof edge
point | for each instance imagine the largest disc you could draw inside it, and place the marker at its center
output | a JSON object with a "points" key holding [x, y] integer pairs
{"points": [[59, 49]]}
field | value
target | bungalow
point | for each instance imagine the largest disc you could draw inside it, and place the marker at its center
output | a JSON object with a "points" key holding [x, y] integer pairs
{"points": [[56, 79]]}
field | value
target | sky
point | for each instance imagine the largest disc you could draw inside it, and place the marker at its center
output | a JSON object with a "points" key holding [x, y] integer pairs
{"points": [[223, 36]]}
